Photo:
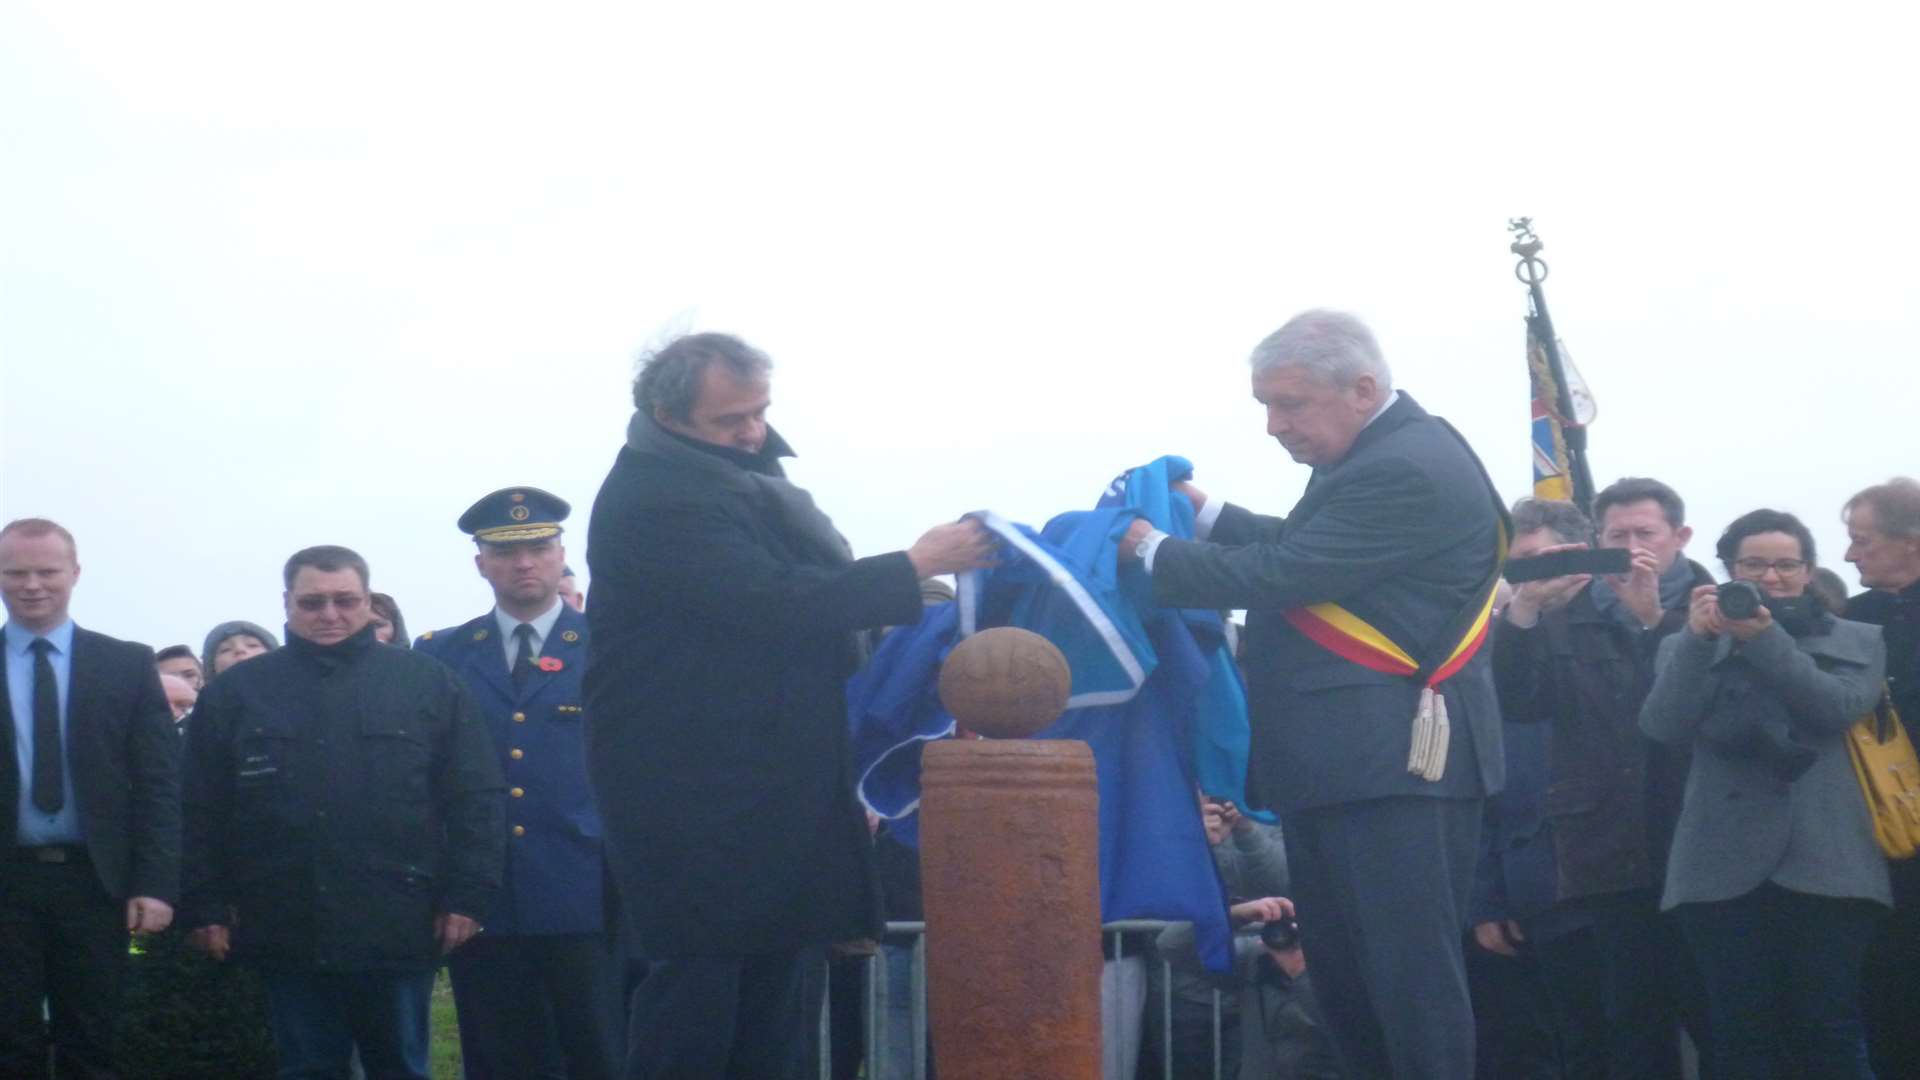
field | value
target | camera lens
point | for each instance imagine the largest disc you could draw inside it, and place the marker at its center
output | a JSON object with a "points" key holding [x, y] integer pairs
{"points": [[1739, 599]]}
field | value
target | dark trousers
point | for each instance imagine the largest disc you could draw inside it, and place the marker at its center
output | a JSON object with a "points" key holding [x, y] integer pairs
{"points": [[540, 1007], [1381, 887], [847, 1015], [1890, 984], [319, 1018], [63, 942], [1570, 967], [1649, 988], [1782, 971], [709, 1017], [1516, 1022]]}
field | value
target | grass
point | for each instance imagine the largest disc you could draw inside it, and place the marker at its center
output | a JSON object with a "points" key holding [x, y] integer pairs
{"points": [[443, 1057]]}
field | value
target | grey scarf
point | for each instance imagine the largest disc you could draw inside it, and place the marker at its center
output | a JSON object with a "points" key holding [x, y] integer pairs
{"points": [[757, 475], [1675, 585]]}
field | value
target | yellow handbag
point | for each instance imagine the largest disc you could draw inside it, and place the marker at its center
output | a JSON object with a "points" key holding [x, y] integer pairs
{"points": [[1889, 774]]}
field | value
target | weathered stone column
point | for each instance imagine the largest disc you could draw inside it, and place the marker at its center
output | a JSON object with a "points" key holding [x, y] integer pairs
{"points": [[1010, 875]]}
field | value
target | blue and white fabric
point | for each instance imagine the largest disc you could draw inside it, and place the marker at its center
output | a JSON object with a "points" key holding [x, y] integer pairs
{"points": [[1139, 676]]}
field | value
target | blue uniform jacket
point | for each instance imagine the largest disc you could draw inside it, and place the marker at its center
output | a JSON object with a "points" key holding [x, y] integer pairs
{"points": [[555, 879]]}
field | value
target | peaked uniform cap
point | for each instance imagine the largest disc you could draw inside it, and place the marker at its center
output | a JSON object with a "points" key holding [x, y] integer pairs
{"points": [[514, 515]]}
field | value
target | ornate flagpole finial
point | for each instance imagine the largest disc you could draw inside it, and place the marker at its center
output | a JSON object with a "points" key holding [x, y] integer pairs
{"points": [[1531, 270]]}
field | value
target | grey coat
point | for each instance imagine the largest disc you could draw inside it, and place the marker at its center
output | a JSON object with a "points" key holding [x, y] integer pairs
{"points": [[1740, 825]]}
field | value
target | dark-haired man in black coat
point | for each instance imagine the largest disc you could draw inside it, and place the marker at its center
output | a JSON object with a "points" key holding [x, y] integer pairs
{"points": [[725, 621], [1387, 562], [343, 826], [89, 816]]}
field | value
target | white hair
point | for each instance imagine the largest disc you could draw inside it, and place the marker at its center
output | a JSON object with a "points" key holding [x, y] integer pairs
{"points": [[1331, 345]]}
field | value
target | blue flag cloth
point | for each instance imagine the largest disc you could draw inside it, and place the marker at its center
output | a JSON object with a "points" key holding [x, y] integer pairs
{"points": [[1138, 673], [1221, 737]]}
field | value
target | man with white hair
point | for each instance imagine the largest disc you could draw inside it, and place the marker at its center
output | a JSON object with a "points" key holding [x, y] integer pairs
{"points": [[1375, 729], [1883, 533]]}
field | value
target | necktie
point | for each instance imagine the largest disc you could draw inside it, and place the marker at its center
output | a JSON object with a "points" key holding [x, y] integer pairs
{"points": [[523, 656], [48, 792]]}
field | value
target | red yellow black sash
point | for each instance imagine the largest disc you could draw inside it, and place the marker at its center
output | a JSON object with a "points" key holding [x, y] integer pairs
{"points": [[1351, 637]]}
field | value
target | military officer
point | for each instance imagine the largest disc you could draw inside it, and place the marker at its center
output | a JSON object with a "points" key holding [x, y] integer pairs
{"points": [[538, 992]]}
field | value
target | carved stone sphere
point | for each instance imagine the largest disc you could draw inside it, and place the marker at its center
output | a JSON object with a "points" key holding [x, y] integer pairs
{"points": [[1005, 683]]}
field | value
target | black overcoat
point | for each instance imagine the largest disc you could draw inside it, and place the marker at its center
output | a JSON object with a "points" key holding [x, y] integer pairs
{"points": [[1402, 532], [1898, 616], [717, 737]]}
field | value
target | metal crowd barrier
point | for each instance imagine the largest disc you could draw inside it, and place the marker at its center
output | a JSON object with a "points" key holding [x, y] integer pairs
{"points": [[879, 989]]}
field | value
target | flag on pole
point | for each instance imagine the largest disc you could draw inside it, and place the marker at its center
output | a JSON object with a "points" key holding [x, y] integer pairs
{"points": [[1562, 405], [1552, 471]]}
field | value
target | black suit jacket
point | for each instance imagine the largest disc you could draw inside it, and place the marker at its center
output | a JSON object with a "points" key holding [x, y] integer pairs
{"points": [[1403, 533], [125, 759]]}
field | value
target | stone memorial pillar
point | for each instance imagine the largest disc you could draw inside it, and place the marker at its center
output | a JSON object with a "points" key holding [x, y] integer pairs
{"points": [[1010, 872]]}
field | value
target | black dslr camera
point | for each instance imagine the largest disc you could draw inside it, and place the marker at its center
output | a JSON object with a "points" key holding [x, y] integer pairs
{"points": [[1280, 934], [1740, 600]]}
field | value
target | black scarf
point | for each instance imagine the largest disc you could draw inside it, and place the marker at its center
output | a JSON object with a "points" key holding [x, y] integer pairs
{"points": [[1800, 616], [1752, 720], [759, 474]]}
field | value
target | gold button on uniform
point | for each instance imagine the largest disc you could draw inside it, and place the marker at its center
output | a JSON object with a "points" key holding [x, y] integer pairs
{"points": [[518, 792], [516, 753], [519, 830], [519, 718]]}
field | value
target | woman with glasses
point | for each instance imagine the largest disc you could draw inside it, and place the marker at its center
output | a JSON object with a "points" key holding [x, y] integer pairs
{"points": [[1774, 876]]}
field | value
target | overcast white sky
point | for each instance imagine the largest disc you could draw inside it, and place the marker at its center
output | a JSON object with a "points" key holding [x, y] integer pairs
{"points": [[275, 275]]}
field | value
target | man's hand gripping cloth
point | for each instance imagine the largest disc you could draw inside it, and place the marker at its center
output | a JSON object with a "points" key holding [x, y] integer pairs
{"points": [[1138, 676], [1221, 740]]}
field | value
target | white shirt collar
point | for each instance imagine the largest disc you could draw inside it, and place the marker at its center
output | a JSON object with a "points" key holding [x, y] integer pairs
{"points": [[1392, 397], [542, 626]]}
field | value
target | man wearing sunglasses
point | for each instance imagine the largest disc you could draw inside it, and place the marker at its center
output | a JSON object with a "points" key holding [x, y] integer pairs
{"points": [[343, 813]]}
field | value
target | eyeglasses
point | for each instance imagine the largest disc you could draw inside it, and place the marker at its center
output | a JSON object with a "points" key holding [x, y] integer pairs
{"points": [[1754, 568], [319, 601]]}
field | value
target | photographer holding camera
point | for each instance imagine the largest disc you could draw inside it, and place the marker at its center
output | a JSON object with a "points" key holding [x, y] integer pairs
{"points": [[1268, 1022], [1577, 844], [1774, 876]]}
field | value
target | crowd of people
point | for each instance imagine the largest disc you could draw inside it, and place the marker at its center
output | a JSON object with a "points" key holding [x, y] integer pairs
{"points": [[1524, 830], [1682, 841]]}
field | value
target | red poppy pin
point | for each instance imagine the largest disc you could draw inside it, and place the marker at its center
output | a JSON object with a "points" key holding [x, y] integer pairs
{"points": [[550, 663]]}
